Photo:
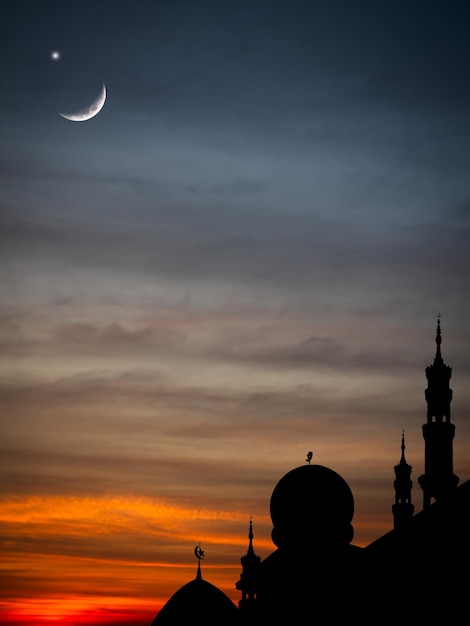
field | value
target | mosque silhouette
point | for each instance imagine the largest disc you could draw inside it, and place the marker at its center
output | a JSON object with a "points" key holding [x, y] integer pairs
{"points": [[418, 573]]}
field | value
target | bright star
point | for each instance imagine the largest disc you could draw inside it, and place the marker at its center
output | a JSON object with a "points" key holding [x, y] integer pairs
{"points": [[55, 55]]}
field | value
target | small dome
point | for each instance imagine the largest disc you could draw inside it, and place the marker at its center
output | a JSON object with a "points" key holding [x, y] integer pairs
{"points": [[198, 602], [311, 504]]}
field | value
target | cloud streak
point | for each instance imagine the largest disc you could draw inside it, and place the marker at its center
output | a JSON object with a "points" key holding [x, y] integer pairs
{"points": [[239, 260]]}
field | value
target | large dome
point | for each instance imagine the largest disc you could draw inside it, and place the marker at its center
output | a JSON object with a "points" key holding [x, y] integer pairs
{"points": [[312, 503], [198, 602]]}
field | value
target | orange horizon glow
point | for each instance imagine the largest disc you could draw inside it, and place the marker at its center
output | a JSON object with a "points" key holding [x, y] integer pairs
{"points": [[72, 545]]}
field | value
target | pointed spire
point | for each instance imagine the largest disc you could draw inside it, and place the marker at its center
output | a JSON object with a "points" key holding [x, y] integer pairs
{"points": [[438, 357], [403, 460], [438, 394], [403, 482], [402, 509], [250, 552], [249, 577], [199, 554]]}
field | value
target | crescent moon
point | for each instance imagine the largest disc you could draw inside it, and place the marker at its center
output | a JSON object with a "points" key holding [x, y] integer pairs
{"points": [[90, 111]]}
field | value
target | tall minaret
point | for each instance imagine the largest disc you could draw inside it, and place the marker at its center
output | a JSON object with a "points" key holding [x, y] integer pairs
{"points": [[402, 509], [248, 579], [438, 480]]}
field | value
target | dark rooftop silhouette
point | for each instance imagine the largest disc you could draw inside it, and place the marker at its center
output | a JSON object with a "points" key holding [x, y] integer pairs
{"points": [[198, 601], [415, 574]]}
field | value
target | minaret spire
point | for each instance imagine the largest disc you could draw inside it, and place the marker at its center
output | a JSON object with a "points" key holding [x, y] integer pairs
{"points": [[249, 578], [438, 480], [438, 356], [402, 509]]}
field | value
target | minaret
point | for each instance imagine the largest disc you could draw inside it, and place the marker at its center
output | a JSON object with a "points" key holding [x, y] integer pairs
{"points": [[438, 480], [248, 578], [402, 509]]}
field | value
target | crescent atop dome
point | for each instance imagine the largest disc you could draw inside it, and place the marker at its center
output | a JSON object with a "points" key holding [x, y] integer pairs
{"points": [[198, 552], [90, 111]]}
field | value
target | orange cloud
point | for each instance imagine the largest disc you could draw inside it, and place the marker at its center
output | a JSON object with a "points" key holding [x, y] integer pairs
{"points": [[132, 553]]}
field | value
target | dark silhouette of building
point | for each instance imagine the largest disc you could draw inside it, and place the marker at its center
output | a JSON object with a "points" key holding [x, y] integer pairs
{"points": [[314, 563], [248, 583], [214, 608], [438, 480], [422, 566], [403, 509], [418, 573]]}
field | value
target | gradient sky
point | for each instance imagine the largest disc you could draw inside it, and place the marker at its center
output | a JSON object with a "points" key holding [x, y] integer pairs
{"points": [[239, 260]]}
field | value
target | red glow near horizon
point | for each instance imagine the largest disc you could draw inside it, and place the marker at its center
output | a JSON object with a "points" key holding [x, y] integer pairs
{"points": [[86, 561], [61, 611]]}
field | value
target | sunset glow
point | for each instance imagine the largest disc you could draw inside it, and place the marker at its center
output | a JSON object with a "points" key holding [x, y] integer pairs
{"points": [[73, 545], [241, 259], [77, 613]]}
